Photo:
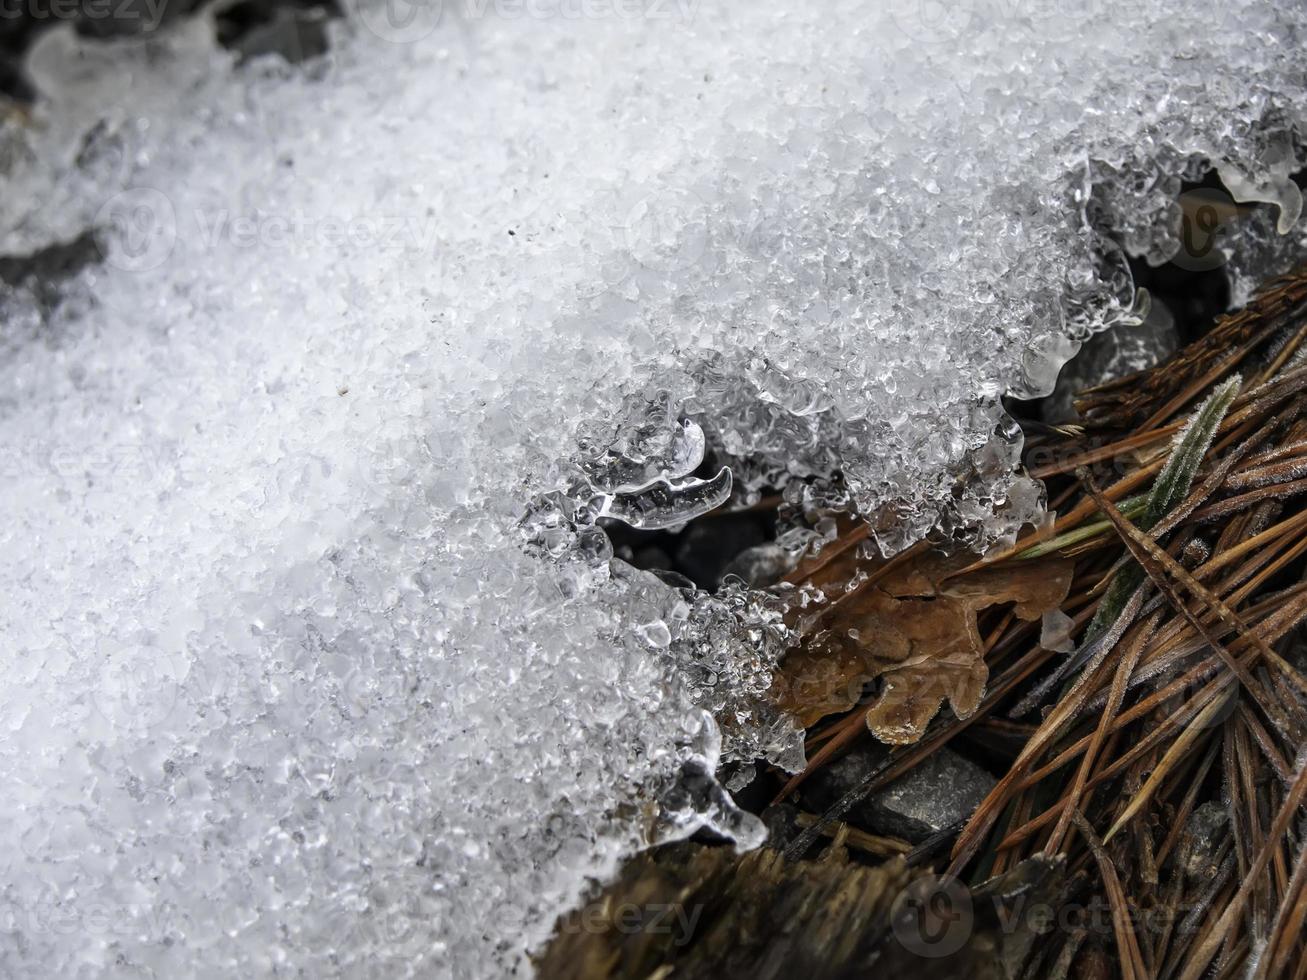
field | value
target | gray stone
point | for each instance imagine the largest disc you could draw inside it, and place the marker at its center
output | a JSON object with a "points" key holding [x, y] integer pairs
{"points": [[296, 30], [941, 791], [1203, 834]]}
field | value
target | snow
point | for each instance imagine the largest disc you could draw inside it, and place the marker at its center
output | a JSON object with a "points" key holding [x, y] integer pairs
{"points": [[316, 662]]}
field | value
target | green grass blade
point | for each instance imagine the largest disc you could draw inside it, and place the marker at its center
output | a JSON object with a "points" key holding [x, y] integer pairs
{"points": [[1170, 488]]}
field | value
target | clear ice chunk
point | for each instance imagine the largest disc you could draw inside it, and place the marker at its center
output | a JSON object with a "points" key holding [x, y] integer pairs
{"points": [[652, 449], [666, 503]]}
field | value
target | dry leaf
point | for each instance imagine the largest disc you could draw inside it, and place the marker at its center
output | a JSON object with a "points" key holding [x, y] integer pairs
{"points": [[916, 631]]}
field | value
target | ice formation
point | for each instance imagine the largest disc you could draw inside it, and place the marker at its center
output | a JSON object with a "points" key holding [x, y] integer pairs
{"points": [[316, 660]]}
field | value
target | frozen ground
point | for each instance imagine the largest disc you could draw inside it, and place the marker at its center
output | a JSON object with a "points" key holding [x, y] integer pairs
{"points": [[290, 687]]}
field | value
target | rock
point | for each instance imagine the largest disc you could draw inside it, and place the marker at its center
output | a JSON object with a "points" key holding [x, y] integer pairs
{"points": [[44, 271], [940, 792], [1203, 833], [294, 29], [32, 286]]}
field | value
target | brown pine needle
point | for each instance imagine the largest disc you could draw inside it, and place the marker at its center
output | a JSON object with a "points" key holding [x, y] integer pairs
{"points": [[1157, 564], [1131, 960], [1290, 923], [1200, 725], [1206, 948], [1129, 660]]}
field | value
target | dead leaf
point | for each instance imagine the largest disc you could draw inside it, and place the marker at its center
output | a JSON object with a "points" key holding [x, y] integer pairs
{"points": [[916, 630]]}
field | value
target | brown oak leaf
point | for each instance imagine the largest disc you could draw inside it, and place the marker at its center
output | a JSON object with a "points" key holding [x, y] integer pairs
{"points": [[915, 629]]}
